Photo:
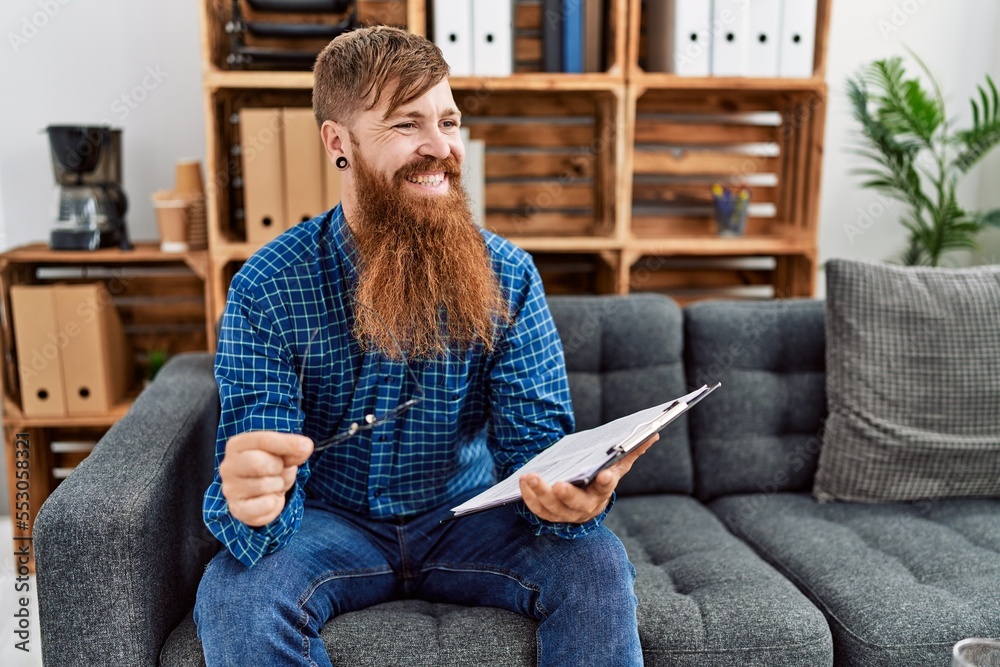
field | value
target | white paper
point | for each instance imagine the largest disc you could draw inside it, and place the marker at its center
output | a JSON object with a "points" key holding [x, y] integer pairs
{"points": [[578, 456]]}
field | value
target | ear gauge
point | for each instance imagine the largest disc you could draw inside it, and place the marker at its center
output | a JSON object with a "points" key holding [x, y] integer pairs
{"points": [[341, 163]]}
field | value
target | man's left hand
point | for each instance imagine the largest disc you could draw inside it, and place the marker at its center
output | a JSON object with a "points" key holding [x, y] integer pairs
{"points": [[567, 503]]}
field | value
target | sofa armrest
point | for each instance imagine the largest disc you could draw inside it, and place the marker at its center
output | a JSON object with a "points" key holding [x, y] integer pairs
{"points": [[120, 545]]}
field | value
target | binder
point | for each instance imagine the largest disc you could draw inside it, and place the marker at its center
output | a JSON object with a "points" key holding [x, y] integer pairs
{"points": [[474, 175], [680, 37], [493, 37], [765, 34], [453, 34], [593, 36], [97, 362], [261, 137], [302, 158], [798, 38], [39, 345], [730, 45], [573, 36], [552, 32]]}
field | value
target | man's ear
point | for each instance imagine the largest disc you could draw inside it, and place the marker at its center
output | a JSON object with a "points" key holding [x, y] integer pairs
{"points": [[334, 136]]}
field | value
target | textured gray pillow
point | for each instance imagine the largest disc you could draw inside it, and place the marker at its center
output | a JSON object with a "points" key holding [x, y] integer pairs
{"points": [[913, 383]]}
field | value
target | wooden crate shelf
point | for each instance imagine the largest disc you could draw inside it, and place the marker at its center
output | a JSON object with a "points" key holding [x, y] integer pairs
{"points": [[600, 168]]}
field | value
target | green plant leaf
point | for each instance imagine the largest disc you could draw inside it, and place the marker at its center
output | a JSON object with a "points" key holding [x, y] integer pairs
{"points": [[988, 218], [984, 134]]}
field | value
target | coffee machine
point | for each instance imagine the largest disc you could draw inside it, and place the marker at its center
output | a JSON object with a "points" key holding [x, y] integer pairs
{"points": [[89, 204]]}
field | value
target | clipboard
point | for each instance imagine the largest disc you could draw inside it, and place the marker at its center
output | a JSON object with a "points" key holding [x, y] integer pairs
{"points": [[580, 457]]}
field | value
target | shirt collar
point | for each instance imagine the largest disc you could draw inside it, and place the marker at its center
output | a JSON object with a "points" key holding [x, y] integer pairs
{"points": [[343, 241]]}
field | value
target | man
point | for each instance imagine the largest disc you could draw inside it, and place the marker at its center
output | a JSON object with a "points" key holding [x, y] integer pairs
{"points": [[379, 365]]}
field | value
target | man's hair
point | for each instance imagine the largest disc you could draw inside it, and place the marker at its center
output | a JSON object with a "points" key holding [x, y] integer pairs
{"points": [[358, 67]]}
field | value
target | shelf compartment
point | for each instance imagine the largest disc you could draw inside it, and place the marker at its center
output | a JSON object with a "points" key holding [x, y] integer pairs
{"points": [[579, 273], [216, 42], [160, 299], [638, 22], [549, 165], [689, 279], [686, 141]]}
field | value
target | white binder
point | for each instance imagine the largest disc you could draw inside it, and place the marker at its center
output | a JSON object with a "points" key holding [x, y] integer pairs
{"points": [[493, 37], [730, 43], [798, 38], [453, 34], [765, 34], [680, 37]]}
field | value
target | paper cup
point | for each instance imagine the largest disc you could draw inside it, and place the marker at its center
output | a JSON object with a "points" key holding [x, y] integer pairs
{"points": [[187, 178], [171, 220]]}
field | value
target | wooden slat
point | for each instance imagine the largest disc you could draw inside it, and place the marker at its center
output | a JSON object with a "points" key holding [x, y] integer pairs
{"points": [[528, 49], [651, 130], [652, 279], [528, 16], [545, 223], [545, 165], [694, 194], [379, 12], [535, 135], [487, 102], [669, 226], [539, 195], [702, 162]]}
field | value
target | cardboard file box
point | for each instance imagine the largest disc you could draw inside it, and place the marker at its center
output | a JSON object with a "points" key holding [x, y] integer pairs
{"points": [[73, 356], [302, 166], [261, 139], [39, 350]]}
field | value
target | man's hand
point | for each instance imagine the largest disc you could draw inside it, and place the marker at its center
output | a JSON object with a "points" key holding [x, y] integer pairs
{"points": [[257, 470], [566, 503]]}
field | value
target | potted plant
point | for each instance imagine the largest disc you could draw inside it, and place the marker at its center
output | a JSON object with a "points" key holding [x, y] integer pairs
{"points": [[919, 157]]}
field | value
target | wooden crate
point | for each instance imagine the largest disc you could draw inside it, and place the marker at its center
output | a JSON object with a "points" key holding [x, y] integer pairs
{"points": [[578, 273], [687, 140], [160, 298], [550, 164]]}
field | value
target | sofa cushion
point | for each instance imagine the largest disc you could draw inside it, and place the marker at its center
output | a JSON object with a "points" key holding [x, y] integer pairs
{"points": [[913, 377], [761, 431], [899, 582], [705, 599], [616, 368]]}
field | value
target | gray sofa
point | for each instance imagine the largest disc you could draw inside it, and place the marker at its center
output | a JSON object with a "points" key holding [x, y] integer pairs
{"points": [[737, 563]]}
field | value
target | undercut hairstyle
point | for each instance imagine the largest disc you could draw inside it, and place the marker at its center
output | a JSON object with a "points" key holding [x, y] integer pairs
{"points": [[357, 68]]}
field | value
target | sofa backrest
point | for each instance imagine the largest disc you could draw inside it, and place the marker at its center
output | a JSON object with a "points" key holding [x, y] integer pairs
{"points": [[761, 432], [624, 353]]}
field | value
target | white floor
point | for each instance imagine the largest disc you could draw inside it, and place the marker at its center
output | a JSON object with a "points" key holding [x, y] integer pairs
{"points": [[10, 597]]}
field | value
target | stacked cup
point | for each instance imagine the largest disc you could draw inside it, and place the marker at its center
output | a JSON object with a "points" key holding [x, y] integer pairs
{"points": [[180, 213]]}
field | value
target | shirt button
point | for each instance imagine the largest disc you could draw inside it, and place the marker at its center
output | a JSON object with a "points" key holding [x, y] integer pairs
{"points": [[381, 438], [378, 493]]}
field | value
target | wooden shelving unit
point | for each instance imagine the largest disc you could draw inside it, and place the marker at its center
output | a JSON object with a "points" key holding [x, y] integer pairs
{"points": [[162, 300], [604, 177]]}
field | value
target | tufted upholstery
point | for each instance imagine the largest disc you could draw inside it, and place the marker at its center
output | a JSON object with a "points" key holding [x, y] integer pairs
{"points": [[763, 430], [623, 355], [899, 583]]}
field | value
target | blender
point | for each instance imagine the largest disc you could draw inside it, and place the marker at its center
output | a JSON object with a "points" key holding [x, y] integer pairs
{"points": [[89, 204]]}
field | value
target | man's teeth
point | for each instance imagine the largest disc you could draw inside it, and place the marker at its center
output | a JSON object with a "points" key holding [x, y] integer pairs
{"points": [[427, 180]]}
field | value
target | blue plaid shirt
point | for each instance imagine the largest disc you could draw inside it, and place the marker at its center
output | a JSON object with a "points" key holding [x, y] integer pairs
{"points": [[482, 416]]}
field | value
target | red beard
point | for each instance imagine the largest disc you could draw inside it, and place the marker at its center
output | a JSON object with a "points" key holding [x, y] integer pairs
{"points": [[425, 273]]}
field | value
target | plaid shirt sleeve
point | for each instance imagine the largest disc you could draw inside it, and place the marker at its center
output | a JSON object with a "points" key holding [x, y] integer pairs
{"points": [[258, 388], [529, 395]]}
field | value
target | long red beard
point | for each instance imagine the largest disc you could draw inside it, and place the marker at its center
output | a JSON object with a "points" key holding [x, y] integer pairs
{"points": [[425, 274]]}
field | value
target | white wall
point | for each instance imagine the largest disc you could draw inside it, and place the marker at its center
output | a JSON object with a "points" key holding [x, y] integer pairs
{"points": [[134, 65], [957, 40], [70, 62]]}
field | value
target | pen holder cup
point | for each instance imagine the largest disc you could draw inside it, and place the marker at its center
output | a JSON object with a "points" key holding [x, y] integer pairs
{"points": [[731, 219]]}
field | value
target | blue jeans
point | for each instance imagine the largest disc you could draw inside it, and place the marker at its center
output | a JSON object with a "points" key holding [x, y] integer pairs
{"points": [[580, 591]]}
